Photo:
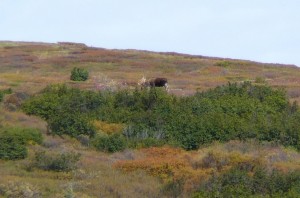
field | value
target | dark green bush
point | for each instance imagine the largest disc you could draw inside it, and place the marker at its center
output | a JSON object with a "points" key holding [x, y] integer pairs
{"points": [[12, 147], [70, 124], [66, 110], [13, 141], [62, 162], [79, 74], [109, 143]]}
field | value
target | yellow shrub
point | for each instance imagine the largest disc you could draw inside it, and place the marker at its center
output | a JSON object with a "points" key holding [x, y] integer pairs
{"points": [[108, 128]]}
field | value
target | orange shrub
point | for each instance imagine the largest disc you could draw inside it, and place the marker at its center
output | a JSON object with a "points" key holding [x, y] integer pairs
{"points": [[162, 162], [173, 165]]}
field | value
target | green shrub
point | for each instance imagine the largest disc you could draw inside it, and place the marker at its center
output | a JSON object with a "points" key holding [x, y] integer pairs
{"points": [[3, 92], [25, 135], [109, 143], [79, 74], [70, 124], [66, 110], [12, 147], [62, 162], [13, 142]]}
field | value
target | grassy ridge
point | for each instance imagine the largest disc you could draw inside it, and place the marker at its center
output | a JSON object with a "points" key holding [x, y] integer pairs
{"points": [[49, 63]]}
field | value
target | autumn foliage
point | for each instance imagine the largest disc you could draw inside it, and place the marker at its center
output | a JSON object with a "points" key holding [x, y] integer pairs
{"points": [[188, 171]]}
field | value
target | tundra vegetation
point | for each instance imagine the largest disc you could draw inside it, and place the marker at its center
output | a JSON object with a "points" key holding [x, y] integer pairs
{"points": [[103, 138], [153, 118], [229, 112]]}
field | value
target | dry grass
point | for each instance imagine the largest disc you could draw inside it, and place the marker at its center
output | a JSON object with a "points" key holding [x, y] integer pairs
{"points": [[94, 177]]}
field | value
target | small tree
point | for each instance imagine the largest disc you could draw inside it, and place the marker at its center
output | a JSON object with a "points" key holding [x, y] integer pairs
{"points": [[79, 74]]}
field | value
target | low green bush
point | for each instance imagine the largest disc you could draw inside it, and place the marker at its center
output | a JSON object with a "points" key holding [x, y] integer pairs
{"points": [[79, 74], [62, 162], [109, 143], [12, 147], [13, 141], [24, 135]]}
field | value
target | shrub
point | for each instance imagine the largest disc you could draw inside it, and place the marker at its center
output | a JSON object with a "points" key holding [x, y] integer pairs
{"points": [[164, 162], [14, 101], [79, 74], [70, 124], [13, 142], [62, 162], [3, 92], [84, 140], [261, 182], [66, 110], [12, 147], [25, 135], [109, 143]]}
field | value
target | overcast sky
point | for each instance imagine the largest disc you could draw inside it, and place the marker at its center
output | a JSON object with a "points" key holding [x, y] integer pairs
{"points": [[259, 30]]}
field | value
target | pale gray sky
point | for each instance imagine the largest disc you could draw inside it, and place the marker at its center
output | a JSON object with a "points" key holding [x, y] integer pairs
{"points": [[259, 30]]}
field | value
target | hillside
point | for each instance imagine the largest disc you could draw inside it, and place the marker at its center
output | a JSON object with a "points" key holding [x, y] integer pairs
{"points": [[105, 138], [31, 66]]}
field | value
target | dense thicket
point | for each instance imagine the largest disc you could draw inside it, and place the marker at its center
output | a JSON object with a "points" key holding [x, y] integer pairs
{"points": [[232, 111]]}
